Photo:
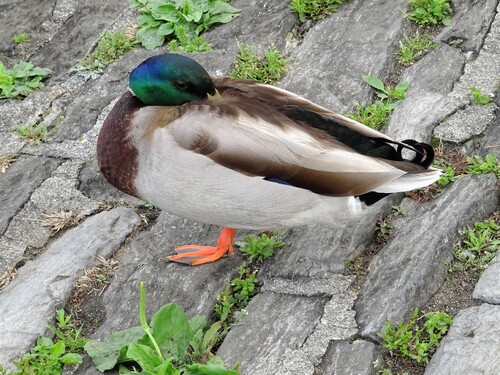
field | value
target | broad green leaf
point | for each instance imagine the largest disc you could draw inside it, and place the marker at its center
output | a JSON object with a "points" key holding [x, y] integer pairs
{"points": [[211, 336], [58, 349], [44, 341], [374, 82], [220, 18], [166, 368], [144, 356], [149, 38], [166, 29], [107, 354], [172, 331], [219, 7], [390, 106], [21, 69], [71, 359], [196, 15], [196, 344], [446, 21], [200, 369], [198, 322], [36, 71], [166, 12], [382, 95], [400, 90], [146, 20]]}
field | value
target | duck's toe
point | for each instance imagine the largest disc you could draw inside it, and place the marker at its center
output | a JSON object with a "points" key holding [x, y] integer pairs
{"points": [[195, 255]]}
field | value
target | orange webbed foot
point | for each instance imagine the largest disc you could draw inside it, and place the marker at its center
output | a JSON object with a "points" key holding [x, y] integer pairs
{"points": [[195, 255]]}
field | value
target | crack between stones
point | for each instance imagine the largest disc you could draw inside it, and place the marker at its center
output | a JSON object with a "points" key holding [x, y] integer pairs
{"points": [[483, 41], [489, 27]]}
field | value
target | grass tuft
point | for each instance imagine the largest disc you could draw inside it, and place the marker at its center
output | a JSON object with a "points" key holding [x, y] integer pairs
{"points": [[266, 67], [418, 338], [314, 9], [110, 48]]}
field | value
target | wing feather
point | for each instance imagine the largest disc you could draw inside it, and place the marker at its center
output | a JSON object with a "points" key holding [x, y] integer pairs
{"points": [[256, 147], [262, 131]]}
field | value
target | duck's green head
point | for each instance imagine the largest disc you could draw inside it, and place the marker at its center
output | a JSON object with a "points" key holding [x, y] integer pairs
{"points": [[170, 79]]}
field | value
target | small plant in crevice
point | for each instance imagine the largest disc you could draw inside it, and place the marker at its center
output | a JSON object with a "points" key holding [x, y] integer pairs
{"points": [[429, 12], [411, 48], [185, 44], [20, 38], [419, 338], [48, 357], [231, 303], [265, 67], [387, 93], [67, 332], [479, 246], [478, 97], [377, 114], [454, 165], [383, 229], [20, 80], [183, 20], [378, 365], [355, 267], [314, 9], [258, 248], [447, 177], [96, 279], [170, 343], [34, 133], [111, 46], [478, 165], [397, 210]]}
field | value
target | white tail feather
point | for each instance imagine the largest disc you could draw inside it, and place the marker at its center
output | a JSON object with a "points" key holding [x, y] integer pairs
{"points": [[411, 181]]}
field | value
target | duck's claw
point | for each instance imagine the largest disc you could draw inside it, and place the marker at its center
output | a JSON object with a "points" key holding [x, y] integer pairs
{"points": [[195, 255]]}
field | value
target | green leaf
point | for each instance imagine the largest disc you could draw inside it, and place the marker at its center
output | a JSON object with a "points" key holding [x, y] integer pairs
{"points": [[107, 354], [211, 336], [374, 82], [196, 344], [446, 21], [166, 368], [71, 359], [166, 29], [22, 79], [172, 331], [144, 322], [400, 90], [150, 38], [192, 16], [198, 322], [144, 356], [208, 369], [219, 18], [44, 341], [58, 349]]}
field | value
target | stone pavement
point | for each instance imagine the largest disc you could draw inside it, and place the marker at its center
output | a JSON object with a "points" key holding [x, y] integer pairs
{"points": [[307, 318]]}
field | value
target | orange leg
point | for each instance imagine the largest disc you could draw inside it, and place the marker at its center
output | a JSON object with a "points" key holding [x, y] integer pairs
{"points": [[195, 255]]}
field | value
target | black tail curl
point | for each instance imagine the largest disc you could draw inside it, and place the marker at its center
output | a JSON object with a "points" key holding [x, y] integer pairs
{"points": [[424, 153]]}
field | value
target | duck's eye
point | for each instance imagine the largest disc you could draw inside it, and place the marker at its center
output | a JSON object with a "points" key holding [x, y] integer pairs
{"points": [[181, 85]]}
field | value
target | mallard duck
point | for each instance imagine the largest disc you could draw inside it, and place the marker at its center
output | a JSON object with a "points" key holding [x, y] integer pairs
{"points": [[242, 154]]}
